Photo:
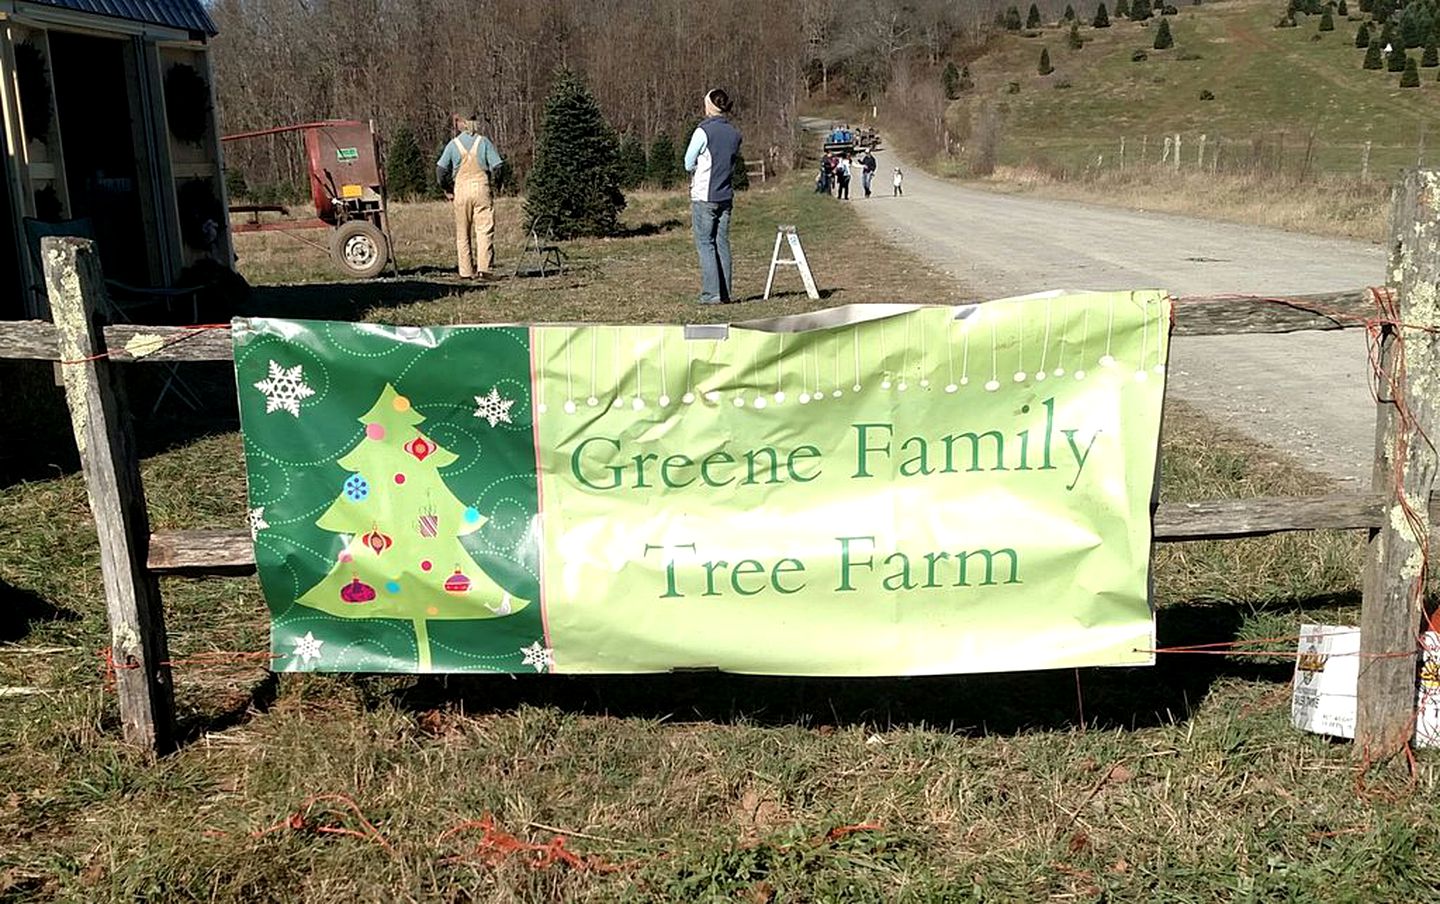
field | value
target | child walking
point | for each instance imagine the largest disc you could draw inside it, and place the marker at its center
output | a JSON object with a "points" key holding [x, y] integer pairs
{"points": [[897, 183]]}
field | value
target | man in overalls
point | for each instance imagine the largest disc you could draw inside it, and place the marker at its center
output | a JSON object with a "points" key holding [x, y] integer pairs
{"points": [[465, 171]]}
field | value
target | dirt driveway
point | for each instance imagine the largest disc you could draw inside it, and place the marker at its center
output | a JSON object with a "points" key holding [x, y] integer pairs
{"points": [[1304, 393]]}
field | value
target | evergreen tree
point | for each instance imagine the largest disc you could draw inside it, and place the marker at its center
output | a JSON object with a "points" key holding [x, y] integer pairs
{"points": [[966, 82], [950, 78], [576, 176], [1387, 35], [1102, 18], [1414, 25], [1373, 58], [1411, 78], [1163, 39], [740, 177], [1342, 9], [1362, 36], [1327, 22], [1431, 57], [1074, 40], [1044, 67], [1069, 14], [1012, 19], [405, 170], [1032, 20], [632, 162], [1366, 6], [664, 169], [1396, 60], [1139, 10], [1122, 8]]}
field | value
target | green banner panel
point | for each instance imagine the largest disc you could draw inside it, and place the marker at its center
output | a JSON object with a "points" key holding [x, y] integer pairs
{"points": [[875, 490]]}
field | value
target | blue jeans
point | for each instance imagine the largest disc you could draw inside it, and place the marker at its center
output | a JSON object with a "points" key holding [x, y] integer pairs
{"points": [[710, 221], [865, 179]]}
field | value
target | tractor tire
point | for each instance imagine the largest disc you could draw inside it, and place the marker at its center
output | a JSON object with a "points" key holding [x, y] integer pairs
{"points": [[359, 249]]}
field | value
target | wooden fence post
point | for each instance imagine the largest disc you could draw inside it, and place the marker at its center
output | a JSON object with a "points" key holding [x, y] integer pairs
{"points": [[1405, 471], [112, 481]]}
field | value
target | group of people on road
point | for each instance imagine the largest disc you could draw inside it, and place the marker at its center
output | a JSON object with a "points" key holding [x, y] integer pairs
{"points": [[836, 171]]}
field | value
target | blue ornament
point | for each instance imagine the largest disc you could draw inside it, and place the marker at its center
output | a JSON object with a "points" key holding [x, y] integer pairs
{"points": [[356, 488], [393, 587], [471, 515]]}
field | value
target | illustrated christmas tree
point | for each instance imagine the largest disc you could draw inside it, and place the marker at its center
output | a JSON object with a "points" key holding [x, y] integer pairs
{"points": [[403, 556]]}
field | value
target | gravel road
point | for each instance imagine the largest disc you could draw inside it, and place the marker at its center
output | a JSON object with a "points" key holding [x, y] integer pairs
{"points": [[1304, 393]]}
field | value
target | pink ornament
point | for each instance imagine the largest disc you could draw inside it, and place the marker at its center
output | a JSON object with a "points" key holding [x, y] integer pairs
{"points": [[425, 565], [399, 478], [375, 431], [457, 582], [357, 591]]}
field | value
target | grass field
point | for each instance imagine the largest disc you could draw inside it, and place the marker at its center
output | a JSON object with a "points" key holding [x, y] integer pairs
{"points": [[1267, 82], [1182, 782]]}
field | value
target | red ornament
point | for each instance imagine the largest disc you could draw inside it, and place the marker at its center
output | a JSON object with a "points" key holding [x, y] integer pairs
{"points": [[377, 541], [420, 447], [457, 582], [357, 591]]}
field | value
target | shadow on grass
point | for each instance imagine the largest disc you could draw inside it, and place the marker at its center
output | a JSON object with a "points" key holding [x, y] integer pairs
{"points": [[1111, 698], [233, 713], [643, 230], [351, 300], [21, 610]]}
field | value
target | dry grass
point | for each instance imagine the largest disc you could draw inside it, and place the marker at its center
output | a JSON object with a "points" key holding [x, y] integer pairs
{"points": [[1331, 205], [650, 275]]}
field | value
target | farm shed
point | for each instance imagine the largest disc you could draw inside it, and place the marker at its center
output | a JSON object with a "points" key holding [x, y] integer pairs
{"points": [[110, 132]]}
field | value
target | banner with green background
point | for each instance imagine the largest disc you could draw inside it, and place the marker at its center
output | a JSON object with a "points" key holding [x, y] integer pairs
{"points": [[873, 490]]}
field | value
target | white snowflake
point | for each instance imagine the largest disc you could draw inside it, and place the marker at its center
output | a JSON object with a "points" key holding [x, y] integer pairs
{"points": [[257, 521], [541, 657], [308, 648], [284, 389], [493, 407]]}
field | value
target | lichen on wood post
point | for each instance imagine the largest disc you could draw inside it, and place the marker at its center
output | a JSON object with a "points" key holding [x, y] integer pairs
{"points": [[1405, 471], [112, 481]]}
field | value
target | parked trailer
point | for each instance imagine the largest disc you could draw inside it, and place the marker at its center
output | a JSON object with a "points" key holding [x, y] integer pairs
{"points": [[347, 189]]}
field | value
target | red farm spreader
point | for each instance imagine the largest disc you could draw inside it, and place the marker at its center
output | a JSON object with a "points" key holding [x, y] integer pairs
{"points": [[347, 186]]}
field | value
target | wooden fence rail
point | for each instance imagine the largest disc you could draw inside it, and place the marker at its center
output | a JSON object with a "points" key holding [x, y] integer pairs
{"points": [[1404, 320]]}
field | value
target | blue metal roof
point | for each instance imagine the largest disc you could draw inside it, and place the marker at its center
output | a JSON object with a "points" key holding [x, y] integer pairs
{"points": [[187, 15]]}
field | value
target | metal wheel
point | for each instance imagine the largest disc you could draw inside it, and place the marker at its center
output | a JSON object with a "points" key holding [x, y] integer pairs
{"points": [[359, 249]]}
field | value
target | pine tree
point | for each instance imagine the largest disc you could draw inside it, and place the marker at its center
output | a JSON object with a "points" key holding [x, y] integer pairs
{"points": [[405, 171], [1012, 19], [1069, 14], [1327, 22], [1366, 6], [664, 169], [1387, 35], [576, 176], [1122, 8], [1074, 40], [1102, 18], [1373, 57], [632, 162], [1396, 61], [1431, 57], [1362, 36], [740, 176], [950, 79], [966, 82], [1163, 39], [1411, 78], [1139, 10], [1414, 24], [1032, 20], [1044, 67], [394, 567], [1342, 9]]}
